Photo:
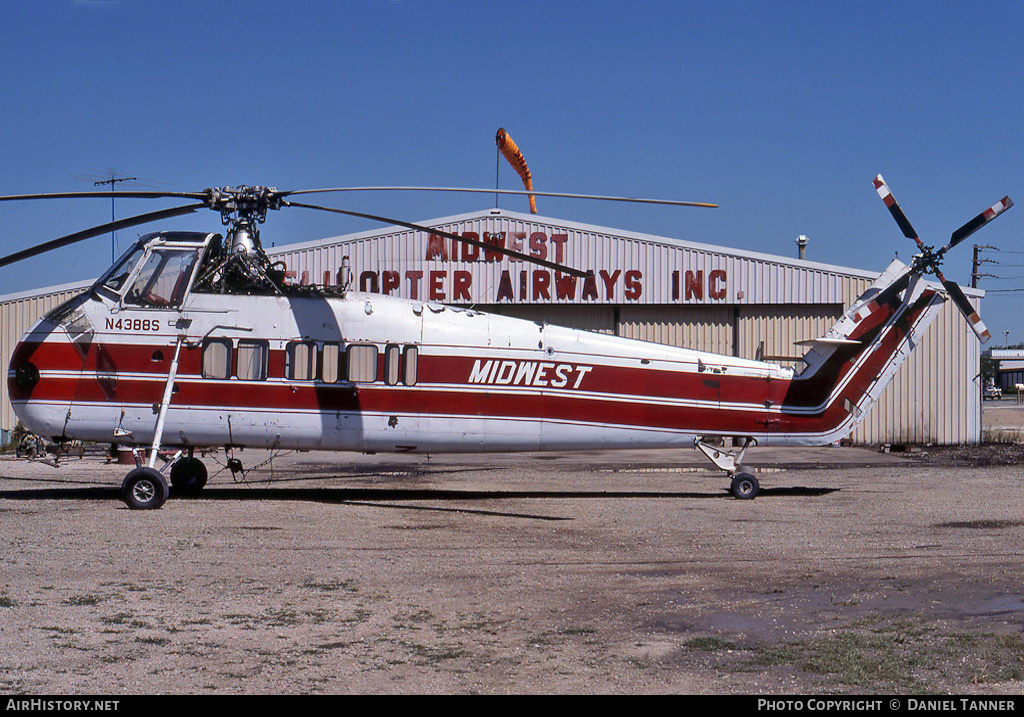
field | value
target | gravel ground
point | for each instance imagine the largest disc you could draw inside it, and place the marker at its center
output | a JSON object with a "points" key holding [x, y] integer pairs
{"points": [[855, 571]]}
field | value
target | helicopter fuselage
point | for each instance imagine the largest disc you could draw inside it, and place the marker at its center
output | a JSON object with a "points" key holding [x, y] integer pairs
{"points": [[141, 355]]}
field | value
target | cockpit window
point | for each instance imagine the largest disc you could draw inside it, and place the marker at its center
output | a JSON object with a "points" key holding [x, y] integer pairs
{"points": [[123, 269], [163, 278]]}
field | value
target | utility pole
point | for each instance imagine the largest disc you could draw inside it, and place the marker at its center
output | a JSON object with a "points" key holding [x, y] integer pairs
{"points": [[113, 180], [977, 262]]}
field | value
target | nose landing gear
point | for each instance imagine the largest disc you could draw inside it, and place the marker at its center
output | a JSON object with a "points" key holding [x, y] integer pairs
{"points": [[144, 488]]}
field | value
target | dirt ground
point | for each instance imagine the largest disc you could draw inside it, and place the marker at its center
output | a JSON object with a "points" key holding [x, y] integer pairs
{"points": [[855, 571]]}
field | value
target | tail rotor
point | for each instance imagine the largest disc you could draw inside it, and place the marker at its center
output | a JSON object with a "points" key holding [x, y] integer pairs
{"points": [[930, 261]]}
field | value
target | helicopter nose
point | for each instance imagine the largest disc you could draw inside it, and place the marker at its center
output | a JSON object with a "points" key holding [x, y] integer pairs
{"points": [[24, 380], [23, 375]]}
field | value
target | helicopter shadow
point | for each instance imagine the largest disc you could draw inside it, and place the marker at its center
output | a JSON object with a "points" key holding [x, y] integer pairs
{"points": [[440, 500]]}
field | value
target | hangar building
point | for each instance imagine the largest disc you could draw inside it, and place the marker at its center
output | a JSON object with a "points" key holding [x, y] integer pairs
{"points": [[652, 288]]}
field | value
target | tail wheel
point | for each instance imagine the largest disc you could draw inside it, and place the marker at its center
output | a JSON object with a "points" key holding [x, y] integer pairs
{"points": [[188, 476], [144, 489], [745, 486]]}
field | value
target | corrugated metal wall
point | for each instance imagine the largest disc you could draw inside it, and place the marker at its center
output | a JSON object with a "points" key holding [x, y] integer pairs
{"points": [[771, 332], [577, 316], [936, 395], [17, 314], [709, 328]]}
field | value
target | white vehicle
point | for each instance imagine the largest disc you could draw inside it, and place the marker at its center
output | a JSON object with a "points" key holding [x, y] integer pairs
{"points": [[991, 390]]}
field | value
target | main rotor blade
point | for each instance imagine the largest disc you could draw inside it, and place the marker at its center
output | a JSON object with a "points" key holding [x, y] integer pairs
{"points": [[672, 202], [96, 231], [896, 211], [977, 223], [126, 194], [964, 304], [449, 235]]}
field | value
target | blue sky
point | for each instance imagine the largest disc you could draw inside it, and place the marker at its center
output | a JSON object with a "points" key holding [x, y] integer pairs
{"points": [[782, 113]]}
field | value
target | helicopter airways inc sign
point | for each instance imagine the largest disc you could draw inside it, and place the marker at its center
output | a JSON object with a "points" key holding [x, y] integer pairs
{"points": [[619, 270]]}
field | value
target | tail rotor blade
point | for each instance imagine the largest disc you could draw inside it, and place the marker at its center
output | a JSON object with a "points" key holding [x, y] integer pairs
{"points": [[962, 303], [978, 222], [896, 211]]}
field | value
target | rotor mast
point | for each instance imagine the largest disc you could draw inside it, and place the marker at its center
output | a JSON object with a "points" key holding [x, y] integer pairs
{"points": [[242, 209]]}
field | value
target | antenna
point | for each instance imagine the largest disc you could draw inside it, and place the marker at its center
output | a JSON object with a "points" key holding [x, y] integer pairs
{"points": [[112, 181]]}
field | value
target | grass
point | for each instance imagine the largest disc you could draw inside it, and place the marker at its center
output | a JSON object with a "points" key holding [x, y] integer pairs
{"points": [[885, 657], [330, 586], [1001, 436], [432, 655], [709, 644], [153, 640], [856, 659], [83, 600]]}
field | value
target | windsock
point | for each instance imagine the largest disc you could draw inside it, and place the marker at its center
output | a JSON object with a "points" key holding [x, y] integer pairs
{"points": [[515, 158]]}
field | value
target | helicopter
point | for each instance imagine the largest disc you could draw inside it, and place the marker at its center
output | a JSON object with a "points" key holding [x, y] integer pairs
{"points": [[195, 340]]}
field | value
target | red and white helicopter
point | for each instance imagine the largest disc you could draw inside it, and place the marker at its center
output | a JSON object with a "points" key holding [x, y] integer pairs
{"points": [[195, 340]]}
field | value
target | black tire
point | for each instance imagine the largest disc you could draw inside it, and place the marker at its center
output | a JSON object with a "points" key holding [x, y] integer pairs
{"points": [[188, 476], [144, 489], [745, 486]]}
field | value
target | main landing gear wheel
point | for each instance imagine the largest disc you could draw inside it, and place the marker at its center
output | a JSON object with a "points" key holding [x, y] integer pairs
{"points": [[745, 486], [144, 489], [188, 476]]}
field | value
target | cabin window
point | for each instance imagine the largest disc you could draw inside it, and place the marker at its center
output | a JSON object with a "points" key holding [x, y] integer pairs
{"points": [[217, 358], [300, 361], [333, 363], [392, 364], [411, 366], [362, 363], [163, 278], [252, 360]]}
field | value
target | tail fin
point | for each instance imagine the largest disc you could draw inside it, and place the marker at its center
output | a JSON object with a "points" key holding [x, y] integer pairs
{"points": [[855, 360]]}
